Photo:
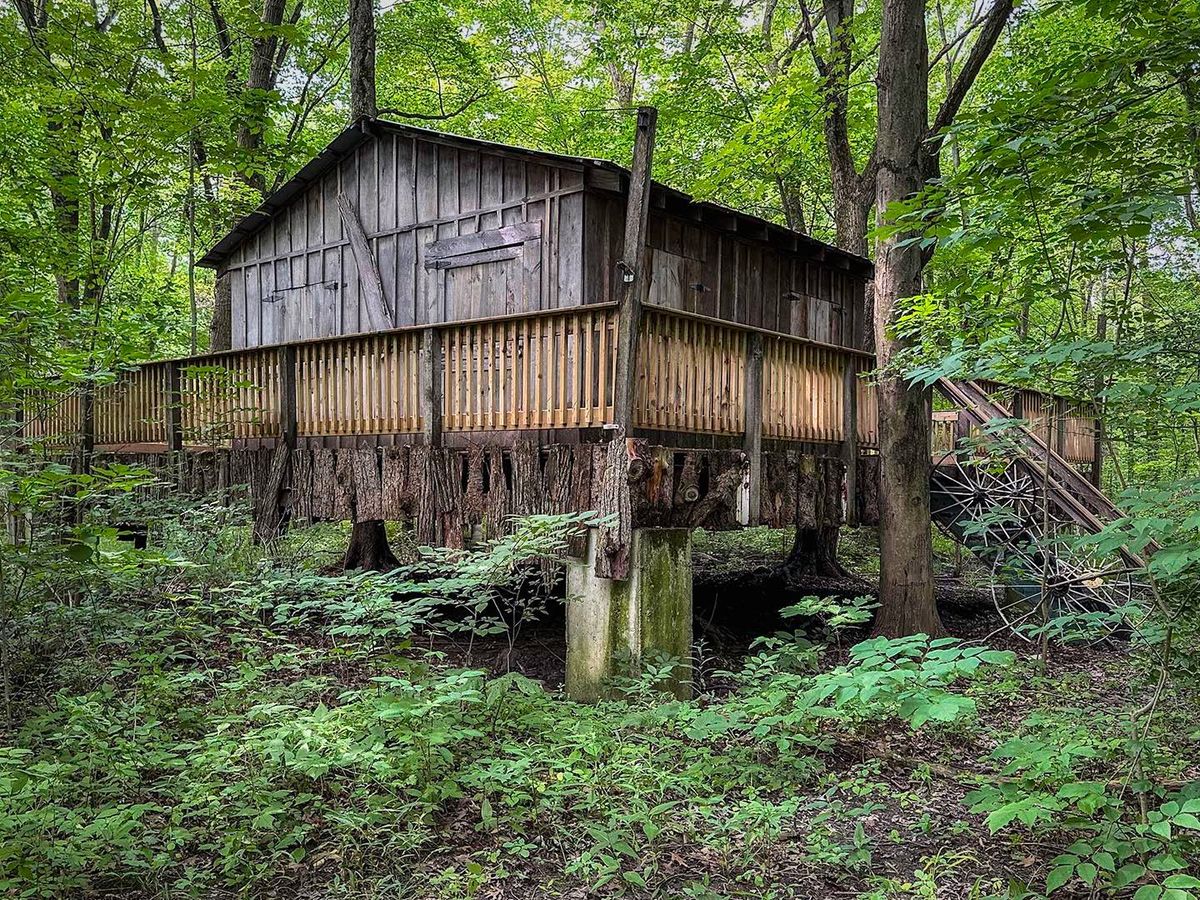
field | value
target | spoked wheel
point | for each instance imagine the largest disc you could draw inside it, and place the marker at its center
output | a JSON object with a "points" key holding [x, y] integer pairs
{"points": [[1080, 595], [989, 506]]}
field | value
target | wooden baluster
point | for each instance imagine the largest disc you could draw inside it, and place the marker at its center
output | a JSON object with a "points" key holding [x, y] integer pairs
{"points": [[850, 437]]}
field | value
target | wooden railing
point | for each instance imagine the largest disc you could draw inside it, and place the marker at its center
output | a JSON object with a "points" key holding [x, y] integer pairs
{"points": [[365, 384], [1067, 426], [551, 371], [692, 374], [546, 370]]}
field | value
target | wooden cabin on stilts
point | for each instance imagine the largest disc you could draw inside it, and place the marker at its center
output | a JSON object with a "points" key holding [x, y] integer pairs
{"points": [[451, 332]]}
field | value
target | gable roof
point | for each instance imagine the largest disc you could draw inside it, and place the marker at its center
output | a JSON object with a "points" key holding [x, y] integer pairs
{"points": [[366, 128]]}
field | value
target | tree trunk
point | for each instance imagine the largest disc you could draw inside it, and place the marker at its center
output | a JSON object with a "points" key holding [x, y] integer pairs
{"points": [[260, 79], [906, 553], [368, 548], [362, 60], [814, 552], [220, 332]]}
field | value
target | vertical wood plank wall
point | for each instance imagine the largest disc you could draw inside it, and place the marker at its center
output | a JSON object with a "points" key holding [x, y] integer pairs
{"points": [[296, 278], [700, 269]]}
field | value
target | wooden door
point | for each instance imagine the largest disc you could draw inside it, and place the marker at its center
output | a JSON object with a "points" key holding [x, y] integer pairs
{"points": [[489, 273], [309, 311]]}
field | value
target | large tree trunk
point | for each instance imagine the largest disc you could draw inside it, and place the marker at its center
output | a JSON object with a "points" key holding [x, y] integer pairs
{"points": [[362, 60], [220, 330], [814, 552], [906, 554], [368, 548], [263, 69]]}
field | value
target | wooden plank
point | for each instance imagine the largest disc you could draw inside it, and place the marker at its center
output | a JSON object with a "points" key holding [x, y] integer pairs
{"points": [[432, 386], [368, 268], [288, 411], [505, 236], [752, 393], [850, 438], [472, 259]]}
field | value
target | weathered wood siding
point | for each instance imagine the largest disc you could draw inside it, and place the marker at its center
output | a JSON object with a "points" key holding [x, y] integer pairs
{"points": [[457, 233], [415, 229], [703, 268]]}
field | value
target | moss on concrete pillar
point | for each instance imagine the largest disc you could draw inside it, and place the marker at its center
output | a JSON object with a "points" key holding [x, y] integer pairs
{"points": [[614, 625]]}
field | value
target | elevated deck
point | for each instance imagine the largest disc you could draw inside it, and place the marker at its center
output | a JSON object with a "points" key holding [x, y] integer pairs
{"points": [[545, 376], [510, 415]]}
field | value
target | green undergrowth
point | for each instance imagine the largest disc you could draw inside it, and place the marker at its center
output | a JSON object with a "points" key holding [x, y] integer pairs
{"points": [[210, 718]]}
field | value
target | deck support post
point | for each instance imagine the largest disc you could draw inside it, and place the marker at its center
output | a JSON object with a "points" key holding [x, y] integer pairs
{"points": [[614, 626], [431, 385], [850, 438], [174, 424], [289, 426], [632, 268], [271, 516], [752, 439]]}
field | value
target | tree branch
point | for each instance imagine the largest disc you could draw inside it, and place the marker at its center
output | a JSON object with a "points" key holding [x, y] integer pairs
{"points": [[461, 108], [993, 25]]}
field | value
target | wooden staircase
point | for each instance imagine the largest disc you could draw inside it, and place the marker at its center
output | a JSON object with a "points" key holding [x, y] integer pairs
{"points": [[1006, 495]]}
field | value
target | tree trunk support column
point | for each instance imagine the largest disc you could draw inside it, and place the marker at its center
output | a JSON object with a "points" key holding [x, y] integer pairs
{"points": [[272, 511], [614, 625], [752, 439]]}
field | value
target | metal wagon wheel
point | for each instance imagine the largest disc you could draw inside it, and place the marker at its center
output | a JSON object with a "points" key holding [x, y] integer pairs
{"points": [[994, 507], [1093, 597]]}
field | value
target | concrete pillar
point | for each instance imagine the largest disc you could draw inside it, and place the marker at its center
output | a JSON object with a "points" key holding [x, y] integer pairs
{"points": [[608, 620]]}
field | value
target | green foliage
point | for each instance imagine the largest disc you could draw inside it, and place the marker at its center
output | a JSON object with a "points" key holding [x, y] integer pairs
{"points": [[230, 732], [906, 677], [1046, 790]]}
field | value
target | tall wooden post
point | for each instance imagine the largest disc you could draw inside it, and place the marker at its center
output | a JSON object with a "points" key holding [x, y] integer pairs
{"points": [[613, 540], [288, 424], [850, 438], [431, 385], [752, 439], [632, 269]]}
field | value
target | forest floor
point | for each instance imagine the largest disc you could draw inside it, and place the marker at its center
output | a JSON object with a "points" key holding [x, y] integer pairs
{"points": [[227, 725]]}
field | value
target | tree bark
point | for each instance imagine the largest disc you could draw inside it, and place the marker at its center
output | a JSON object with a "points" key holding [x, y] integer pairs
{"points": [[906, 554], [362, 60], [266, 58], [220, 332], [368, 548], [814, 552]]}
